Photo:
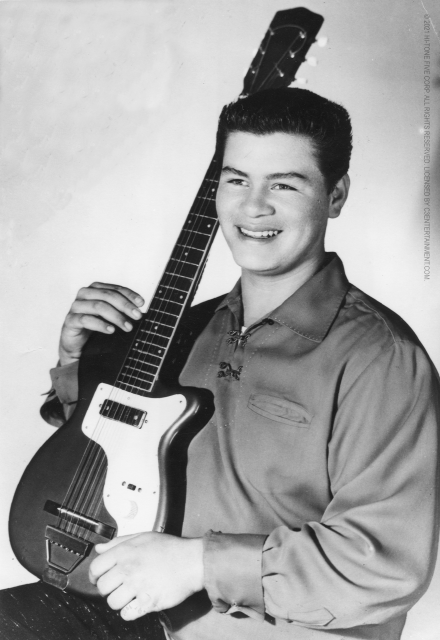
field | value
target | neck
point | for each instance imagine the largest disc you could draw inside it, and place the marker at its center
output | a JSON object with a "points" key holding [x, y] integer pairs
{"points": [[263, 293]]}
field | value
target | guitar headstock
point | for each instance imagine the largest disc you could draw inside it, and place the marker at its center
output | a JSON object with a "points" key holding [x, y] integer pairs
{"points": [[283, 49]]}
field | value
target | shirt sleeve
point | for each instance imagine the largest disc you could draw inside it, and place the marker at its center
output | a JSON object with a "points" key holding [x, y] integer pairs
{"points": [[372, 554], [63, 396]]}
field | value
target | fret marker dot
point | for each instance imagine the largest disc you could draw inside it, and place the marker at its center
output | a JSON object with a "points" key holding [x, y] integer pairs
{"points": [[209, 226], [186, 253], [181, 297], [159, 351], [155, 328]]}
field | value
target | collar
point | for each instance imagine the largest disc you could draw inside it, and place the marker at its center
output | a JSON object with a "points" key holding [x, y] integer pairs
{"points": [[311, 310]]}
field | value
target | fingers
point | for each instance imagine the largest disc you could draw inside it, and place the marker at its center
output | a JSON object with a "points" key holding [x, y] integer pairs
{"points": [[138, 607], [127, 293], [121, 298], [100, 307], [121, 597], [109, 581], [97, 315], [102, 547], [100, 565], [107, 557]]}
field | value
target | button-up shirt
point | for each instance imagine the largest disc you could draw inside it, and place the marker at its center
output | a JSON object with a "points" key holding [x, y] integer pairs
{"points": [[315, 482]]}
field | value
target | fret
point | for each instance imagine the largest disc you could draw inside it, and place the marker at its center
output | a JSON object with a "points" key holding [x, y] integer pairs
{"points": [[183, 269], [198, 220], [171, 279], [151, 357], [202, 233], [154, 327], [177, 275], [194, 240], [172, 290], [189, 254], [155, 334], [202, 215], [161, 322], [140, 374], [173, 294], [167, 312], [155, 341], [190, 248], [127, 386], [185, 262], [164, 318], [174, 308]]}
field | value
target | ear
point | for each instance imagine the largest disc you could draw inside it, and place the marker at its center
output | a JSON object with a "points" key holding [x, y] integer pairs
{"points": [[338, 196]]}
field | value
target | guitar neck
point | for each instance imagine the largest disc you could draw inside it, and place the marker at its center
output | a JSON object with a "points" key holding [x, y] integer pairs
{"points": [[283, 48], [175, 291]]}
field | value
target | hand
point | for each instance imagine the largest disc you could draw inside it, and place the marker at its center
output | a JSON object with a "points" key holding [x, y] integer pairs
{"points": [[100, 307], [147, 572]]}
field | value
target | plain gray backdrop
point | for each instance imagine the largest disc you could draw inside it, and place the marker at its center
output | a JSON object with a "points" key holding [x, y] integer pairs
{"points": [[108, 114]]}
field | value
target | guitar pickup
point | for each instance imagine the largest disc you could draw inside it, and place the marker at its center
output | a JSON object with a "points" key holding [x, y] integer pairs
{"points": [[122, 413]]}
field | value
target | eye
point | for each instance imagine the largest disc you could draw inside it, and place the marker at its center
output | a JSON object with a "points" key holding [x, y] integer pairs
{"points": [[237, 181], [283, 187]]}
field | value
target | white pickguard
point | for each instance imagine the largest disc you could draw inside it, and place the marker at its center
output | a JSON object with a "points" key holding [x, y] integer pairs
{"points": [[132, 454]]}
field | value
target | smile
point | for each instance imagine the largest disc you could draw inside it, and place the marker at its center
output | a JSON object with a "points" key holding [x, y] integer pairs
{"points": [[259, 234]]}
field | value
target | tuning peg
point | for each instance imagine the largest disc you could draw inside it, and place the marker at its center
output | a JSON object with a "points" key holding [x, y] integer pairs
{"points": [[301, 81], [312, 61], [322, 41]]}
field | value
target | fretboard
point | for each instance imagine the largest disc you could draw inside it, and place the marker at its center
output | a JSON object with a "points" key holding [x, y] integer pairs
{"points": [[174, 293], [289, 37]]}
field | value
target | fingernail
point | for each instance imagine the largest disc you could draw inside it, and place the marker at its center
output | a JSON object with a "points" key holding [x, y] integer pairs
{"points": [[128, 326], [110, 329], [139, 301], [136, 313]]}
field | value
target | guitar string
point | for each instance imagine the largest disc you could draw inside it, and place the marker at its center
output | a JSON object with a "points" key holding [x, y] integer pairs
{"points": [[179, 252], [93, 472], [290, 49]]}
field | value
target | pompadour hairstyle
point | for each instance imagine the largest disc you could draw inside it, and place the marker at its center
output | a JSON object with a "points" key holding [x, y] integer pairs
{"points": [[294, 111]]}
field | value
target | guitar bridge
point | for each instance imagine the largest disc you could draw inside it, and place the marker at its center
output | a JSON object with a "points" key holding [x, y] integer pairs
{"points": [[79, 519]]}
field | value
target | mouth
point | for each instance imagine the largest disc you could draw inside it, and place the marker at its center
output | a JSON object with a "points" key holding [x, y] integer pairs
{"points": [[259, 235]]}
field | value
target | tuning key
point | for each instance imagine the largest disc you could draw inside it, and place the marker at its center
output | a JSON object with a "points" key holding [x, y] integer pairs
{"points": [[322, 41], [301, 81], [312, 61]]}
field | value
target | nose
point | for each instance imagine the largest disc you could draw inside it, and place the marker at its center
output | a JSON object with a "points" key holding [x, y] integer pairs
{"points": [[255, 204]]}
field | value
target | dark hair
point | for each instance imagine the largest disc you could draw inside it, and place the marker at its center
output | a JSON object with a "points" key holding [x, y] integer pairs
{"points": [[294, 111]]}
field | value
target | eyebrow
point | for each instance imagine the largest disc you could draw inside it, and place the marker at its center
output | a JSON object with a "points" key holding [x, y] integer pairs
{"points": [[271, 176]]}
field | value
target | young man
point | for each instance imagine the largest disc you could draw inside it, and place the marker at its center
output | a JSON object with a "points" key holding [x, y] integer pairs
{"points": [[312, 492]]}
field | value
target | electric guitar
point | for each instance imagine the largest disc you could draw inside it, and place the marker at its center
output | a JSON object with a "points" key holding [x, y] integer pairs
{"points": [[117, 467]]}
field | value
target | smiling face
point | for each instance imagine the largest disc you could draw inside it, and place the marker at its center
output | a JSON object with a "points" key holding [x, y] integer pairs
{"points": [[273, 204]]}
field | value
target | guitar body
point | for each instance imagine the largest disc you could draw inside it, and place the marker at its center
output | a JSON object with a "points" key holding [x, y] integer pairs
{"points": [[143, 488]]}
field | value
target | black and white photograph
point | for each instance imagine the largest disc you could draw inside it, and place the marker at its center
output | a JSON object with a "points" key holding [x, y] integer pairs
{"points": [[221, 319]]}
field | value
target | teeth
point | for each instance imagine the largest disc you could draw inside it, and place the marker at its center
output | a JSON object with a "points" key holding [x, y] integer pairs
{"points": [[258, 234]]}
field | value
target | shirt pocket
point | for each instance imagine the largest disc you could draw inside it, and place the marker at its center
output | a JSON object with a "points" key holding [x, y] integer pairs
{"points": [[280, 410]]}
